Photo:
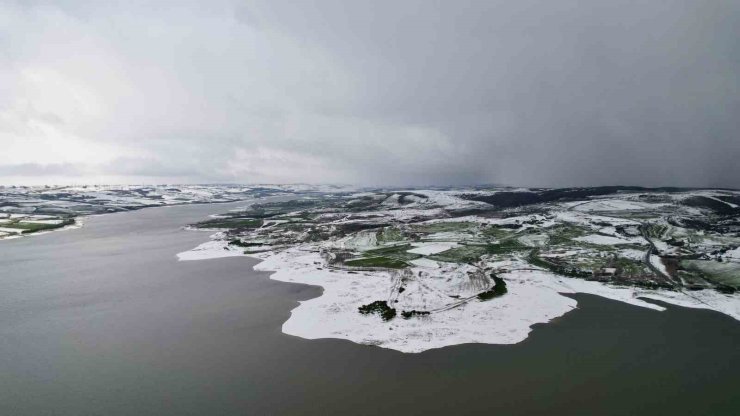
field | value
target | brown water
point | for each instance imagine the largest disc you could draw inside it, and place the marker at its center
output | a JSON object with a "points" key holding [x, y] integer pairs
{"points": [[104, 320]]}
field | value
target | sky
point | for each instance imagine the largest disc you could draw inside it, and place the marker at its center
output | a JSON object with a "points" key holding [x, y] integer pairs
{"points": [[524, 93]]}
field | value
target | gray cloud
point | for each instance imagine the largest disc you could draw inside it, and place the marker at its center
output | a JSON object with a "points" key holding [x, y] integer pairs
{"points": [[35, 169], [530, 92]]}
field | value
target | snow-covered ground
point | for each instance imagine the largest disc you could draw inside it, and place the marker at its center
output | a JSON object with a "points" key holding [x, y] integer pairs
{"points": [[214, 249], [534, 296], [598, 239], [52, 205], [431, 248], [601, 239]]}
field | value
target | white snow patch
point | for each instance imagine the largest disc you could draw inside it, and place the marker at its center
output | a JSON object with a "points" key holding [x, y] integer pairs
{"points": [[334, 314], [211, 250], [733, 254], [425, 263], [534, 296], [632, 254], [426, 249], [31, 221], [658, 264], [601, 239], [613, 205]]}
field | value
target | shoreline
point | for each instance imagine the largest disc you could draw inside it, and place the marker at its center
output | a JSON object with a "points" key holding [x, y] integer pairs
{"points": [[534, 297], [79, 223]]}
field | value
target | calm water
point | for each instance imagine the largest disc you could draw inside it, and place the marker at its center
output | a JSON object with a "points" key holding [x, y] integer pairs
{"points": [[103, 320]]}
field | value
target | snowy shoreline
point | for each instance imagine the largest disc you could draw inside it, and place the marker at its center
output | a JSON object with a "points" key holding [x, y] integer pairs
{"points": [[76, 225], [534, 297]]}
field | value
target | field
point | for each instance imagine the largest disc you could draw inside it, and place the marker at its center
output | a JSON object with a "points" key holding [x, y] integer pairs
{"points": [[440, 249]]}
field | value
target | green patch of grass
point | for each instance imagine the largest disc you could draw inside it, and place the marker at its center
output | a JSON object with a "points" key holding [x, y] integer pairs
{"points": [[379, 261], [396, 252], [563, 234], [470, 253], [562, 269], [399, 248], [506, 246], [497, 232], [461, 254], [29, 227], [389, 235], [656, 230], [724, 273], [627, 267]]}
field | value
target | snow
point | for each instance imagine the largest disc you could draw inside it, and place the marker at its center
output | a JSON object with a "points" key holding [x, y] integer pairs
{"points": [[733, 254], [426, 249], [658, 264], [703, 299], [534, 296], [563, 253], [587, 219], [505, 320], [53, 222], [392, 200], [612, 205], [632, 254], [711, 196], [447, 290], [364, 240], [533, 240], [601, 240], [425, 263], [210, 250]]}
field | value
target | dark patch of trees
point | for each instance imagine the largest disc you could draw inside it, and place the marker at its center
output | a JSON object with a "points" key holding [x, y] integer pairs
{"points": [[712, 204], [601, 223], [691, 223], [379, 307], [727, 290], [561, 269], [403, 197], [412, 313], [499, 289], [359, 226], [675, 243], [240, 243], [733, 199], [516, 199]]}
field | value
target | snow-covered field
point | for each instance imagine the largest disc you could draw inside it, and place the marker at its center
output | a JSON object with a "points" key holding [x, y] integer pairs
{"points": [[534, 296], [55, 205], [428, 261]]}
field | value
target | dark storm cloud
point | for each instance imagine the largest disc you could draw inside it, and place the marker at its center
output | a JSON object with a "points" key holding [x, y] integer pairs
{"points": [[542, 93]]}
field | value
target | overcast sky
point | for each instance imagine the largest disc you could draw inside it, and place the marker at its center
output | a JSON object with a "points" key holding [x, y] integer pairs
{"points": [[532, 93]]}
